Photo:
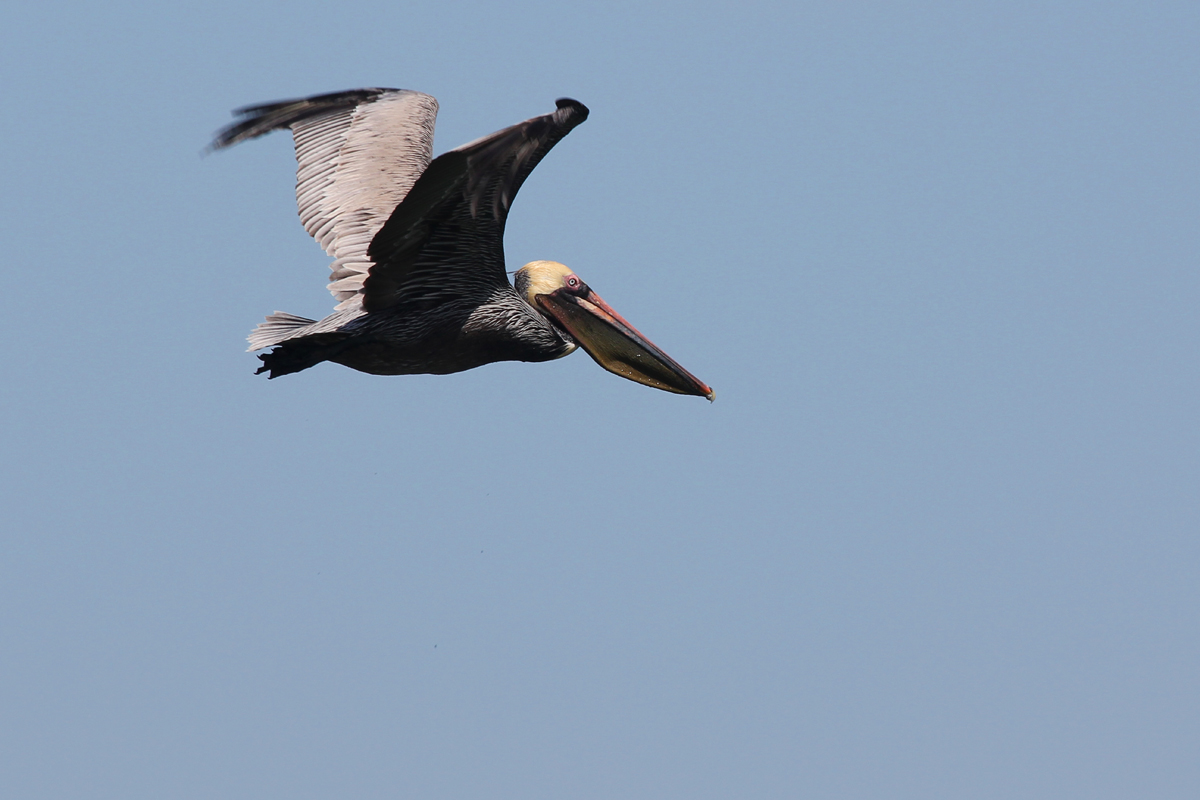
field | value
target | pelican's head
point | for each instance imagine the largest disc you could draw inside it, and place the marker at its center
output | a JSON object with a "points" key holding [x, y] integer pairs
{"points": [[570, 306]]}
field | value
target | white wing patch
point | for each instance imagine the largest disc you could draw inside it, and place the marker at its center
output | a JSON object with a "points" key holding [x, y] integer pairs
{"points": [[353, 168]]}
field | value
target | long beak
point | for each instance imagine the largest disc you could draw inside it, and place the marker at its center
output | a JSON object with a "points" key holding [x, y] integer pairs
{"points": [[616, 345]]}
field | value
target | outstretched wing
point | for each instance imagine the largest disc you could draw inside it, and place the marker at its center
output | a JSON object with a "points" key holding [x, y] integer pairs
{"points": [[358, 154], [445, 240]]}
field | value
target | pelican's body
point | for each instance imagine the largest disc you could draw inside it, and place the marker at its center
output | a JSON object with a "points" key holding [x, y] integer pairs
{"points": [[459, 334], [418, 247]]}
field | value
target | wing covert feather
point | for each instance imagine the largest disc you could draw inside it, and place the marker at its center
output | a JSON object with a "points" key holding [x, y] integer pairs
{"points": [[446, 237]]}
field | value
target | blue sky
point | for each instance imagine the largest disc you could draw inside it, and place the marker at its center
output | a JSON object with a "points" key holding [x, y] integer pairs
{"points": [[935, 538]]}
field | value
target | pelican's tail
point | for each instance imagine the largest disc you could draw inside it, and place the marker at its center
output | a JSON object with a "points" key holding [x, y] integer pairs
{"points": [[277, 328], [297, 349]]}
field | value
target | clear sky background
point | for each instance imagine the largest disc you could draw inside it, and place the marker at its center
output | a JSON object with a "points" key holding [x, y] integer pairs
{"points": [[936, 538]]}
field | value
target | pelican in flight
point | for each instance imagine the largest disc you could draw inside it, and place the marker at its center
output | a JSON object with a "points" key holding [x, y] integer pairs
{"points": [[418, 247]]}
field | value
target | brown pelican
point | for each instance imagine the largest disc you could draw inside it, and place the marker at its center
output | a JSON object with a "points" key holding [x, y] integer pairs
{"points": [[418, 247]]}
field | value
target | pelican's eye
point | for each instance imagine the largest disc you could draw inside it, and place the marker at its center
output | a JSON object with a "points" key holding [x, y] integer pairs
{"points": [[573, 285]]}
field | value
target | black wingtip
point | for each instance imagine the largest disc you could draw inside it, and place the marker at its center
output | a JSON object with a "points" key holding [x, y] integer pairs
{"points": [[572, 110], [257, 120]]}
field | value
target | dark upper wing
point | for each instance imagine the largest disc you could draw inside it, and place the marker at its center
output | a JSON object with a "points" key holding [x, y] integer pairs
{"points": [[445, 239], [358, 153]]}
